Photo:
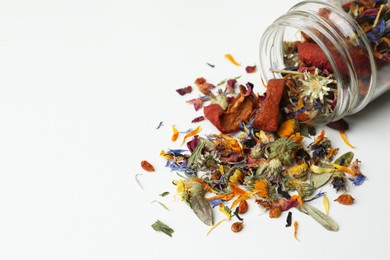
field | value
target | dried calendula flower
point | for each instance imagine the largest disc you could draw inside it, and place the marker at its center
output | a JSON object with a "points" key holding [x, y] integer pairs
{"points": [[147, 166], [237, 226], [287, 128], [345, 199]]}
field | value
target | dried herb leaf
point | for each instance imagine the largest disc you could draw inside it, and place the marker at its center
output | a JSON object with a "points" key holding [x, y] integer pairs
{"points": [[320, 217], [194, 157], [165, 193], [202, 209], [162, 204], [159, 226], [318, 180], [345, 159]]}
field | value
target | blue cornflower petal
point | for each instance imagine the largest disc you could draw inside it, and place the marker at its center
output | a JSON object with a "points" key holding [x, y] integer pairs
{"points": [[358, 180], [215, 202], [377, 32]]}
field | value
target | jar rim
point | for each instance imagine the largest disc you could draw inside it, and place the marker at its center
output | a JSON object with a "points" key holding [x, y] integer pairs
{"points": [[301, 20]]}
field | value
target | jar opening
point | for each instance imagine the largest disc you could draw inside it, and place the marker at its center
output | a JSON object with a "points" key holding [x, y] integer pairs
{"points": [[314, 37]]}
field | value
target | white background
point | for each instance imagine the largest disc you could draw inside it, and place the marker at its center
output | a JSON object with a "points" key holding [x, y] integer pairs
{"points": [[83, 86]]}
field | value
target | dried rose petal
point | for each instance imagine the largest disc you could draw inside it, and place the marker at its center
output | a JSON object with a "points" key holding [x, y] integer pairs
{"points": [[230, 85], [185, 90], [197, 102], [147, 166], [204, 86], [191, 145], [250, 69]]}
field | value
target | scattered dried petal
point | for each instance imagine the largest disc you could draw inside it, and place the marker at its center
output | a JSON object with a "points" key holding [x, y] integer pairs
{"points": [[192, 133], [345, 139], [325, 201], [250, 69], [295, 229], [175, 134], [183, 91], [231, 59]]}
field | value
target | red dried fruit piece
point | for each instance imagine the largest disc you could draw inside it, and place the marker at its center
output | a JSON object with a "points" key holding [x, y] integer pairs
{"points": [[147, 166], [267, 116], [312, 55], [240, 110]]}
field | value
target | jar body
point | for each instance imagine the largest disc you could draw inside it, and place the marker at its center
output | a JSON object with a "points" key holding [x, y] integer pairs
{"points": [[335, 43]]}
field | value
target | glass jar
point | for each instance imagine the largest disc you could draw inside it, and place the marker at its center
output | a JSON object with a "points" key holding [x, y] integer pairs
{"points": [[360, 70]]}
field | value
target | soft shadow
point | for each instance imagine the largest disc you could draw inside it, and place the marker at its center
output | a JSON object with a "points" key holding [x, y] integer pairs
{"points": [[375, 107]]}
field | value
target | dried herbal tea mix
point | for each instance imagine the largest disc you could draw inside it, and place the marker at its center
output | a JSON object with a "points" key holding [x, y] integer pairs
{"points": [[265, 148], [260, 153]]}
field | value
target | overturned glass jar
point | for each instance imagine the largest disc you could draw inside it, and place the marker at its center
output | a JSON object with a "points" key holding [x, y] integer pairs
{"points": [[335, 57]]}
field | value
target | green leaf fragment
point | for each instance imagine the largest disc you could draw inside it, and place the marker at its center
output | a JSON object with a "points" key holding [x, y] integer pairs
{"points": [[162, 204], [345, 159], [320, 217], [318, 180], [202, 209], [161, 227], [165, 193]]}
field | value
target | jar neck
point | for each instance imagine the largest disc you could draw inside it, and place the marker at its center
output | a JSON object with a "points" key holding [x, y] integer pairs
{"points": [[342, 41]]}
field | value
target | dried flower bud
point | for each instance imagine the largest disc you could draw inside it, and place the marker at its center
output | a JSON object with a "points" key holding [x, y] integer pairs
{"points": [[242, 207], [257, 151], [237, 227], [147, 166], [345, 199], [275, 212]]}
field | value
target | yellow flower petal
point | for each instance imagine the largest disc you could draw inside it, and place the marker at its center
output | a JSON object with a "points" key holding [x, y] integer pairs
{"points": [[345, 139], [231, 59]]}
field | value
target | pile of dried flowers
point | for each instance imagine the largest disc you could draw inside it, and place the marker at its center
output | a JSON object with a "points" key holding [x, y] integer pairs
{"points": [[276, 167], [267, 147]]}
